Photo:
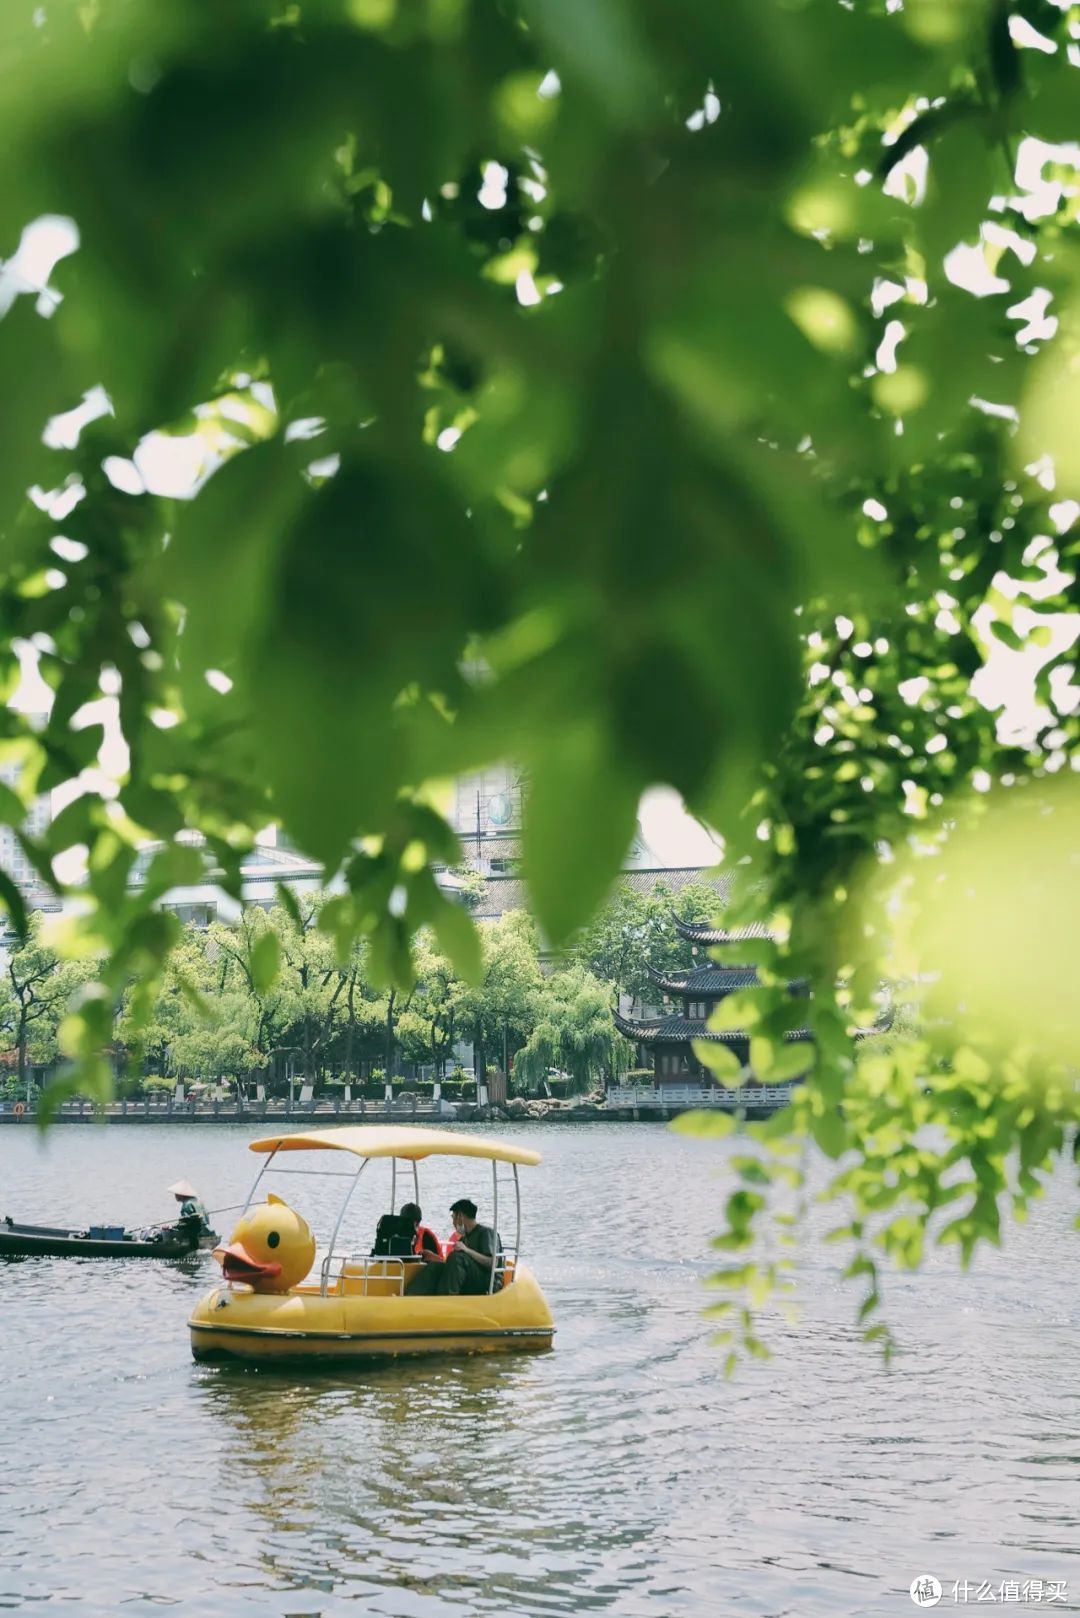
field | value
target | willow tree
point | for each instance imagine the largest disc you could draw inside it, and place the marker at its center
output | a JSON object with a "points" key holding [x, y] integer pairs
{"points": [[605, 386], [572, 1033]]}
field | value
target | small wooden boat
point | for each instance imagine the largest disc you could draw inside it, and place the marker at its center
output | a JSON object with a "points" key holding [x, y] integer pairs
{"points": [[98, 1241]]}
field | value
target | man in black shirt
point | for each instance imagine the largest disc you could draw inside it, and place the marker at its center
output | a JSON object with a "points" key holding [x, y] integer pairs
{"points": [[469, 1264]]}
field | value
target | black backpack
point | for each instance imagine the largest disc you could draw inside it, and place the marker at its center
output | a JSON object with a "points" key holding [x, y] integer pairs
{"points": [[393, 1237]]}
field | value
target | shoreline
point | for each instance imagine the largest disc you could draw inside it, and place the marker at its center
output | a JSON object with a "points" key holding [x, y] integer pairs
{"points": [[140, 1113]]}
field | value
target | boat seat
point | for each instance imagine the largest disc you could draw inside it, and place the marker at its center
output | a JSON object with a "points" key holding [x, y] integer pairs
{"points": [[373, 1277]]}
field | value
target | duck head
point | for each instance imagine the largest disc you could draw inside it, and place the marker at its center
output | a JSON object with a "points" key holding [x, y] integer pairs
{"points": [[272, 1248]]}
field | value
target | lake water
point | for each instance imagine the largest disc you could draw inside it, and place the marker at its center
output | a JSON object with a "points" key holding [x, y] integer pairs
{"points": [[619, 1474]]}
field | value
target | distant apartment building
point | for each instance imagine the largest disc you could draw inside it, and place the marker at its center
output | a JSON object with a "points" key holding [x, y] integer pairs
{"points": [[13, 859], [263, 870], [486, 813]]}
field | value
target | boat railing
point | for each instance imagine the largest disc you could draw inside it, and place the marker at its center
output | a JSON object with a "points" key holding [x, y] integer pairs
{"points": [[699, 1095], [341, 1269], [505, 1265], [341, 1272]]}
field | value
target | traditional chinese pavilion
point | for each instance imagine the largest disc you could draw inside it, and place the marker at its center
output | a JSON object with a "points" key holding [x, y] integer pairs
{"points": [[668, 1038]]}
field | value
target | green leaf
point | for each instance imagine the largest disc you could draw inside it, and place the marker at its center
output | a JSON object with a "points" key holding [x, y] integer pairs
{"points": [[459, 939], [287, 900], [378, 579], [927, 127], [194, 997], [791, 1060], [831, 1134], [577, 783], [721, 1062], [704, 1125], [1003, 54], [739, 1011], [74, 824], [598, 44], [220, 564], [1007, 635], [871, 1302], [12, 808], [265, 961], [177, 865], [14, 903], [91, 1076]]}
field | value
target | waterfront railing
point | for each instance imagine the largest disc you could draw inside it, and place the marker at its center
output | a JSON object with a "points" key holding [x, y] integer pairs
{"points": [[666, 1096]]}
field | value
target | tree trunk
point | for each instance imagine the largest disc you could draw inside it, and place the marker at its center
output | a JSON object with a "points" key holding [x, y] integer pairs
{"points": [[389, 1040], [22, 1053], [480, 1059], [351, 1029]]}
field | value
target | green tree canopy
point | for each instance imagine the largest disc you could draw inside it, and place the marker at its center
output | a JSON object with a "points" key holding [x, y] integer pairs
{"points": [[35, 994], [643, 393], [572, 1032], [635, 931]]}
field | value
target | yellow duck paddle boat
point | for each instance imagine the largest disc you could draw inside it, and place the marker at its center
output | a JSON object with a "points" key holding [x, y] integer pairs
{"points": [[360, 1308]]}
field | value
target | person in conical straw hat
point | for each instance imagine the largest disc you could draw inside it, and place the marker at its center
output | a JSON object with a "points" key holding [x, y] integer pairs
{"points": [[193, 1216]]}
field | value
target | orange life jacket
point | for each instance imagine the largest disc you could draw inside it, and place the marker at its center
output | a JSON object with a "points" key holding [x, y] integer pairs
{"points": [[418, 1242]]}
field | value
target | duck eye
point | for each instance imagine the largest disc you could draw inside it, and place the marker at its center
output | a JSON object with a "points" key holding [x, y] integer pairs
{"points": [[273, 1239]]}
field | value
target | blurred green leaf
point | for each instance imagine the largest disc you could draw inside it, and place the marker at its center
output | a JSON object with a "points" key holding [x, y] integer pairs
{"points": [[704, 1125], [265, 961], [576, 783]]}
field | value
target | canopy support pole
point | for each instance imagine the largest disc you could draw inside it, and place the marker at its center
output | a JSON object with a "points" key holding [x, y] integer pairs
{"points": [[494, 1222], [330, 1250], [262, 1170]]}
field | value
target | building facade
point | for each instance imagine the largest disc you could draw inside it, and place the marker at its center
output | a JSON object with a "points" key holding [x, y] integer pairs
{"points": [[665, 1041], [262, 871], [13, 857]]}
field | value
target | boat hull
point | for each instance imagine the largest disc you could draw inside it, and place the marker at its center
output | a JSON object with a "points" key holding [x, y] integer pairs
{"points": [[302, 1325], [44, 1241]]}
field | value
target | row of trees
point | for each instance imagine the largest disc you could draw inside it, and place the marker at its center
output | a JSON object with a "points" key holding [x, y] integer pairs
{"points": [[274, 998], [669, 371]]}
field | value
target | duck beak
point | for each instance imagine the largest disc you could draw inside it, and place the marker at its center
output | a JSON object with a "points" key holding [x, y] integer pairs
{"points": [[237, 1264]]}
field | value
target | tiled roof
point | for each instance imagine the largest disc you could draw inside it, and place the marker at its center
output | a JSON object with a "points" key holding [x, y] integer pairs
{"points": [[682, 1029], [649, 1030], [493, 845], [674, 878], [706, 979], [720, 980], [501, 895], [700, 932]]}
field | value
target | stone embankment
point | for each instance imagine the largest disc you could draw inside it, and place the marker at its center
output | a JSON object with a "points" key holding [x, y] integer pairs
{"points": [[404, 1110]]}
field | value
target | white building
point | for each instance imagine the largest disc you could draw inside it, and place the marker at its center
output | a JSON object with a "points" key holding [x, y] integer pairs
{"points": [[12, 858], [262, 872]]}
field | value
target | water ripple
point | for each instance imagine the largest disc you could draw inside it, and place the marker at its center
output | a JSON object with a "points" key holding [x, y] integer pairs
{"points": [[620, 1474]]}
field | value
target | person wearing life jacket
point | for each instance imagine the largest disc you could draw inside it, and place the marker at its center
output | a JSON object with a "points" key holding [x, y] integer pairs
{"points": [[469, 1268], [425, 1244]]}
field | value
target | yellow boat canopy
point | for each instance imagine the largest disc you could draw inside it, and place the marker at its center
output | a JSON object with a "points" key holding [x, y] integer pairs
{"points": [[388, 1140]]}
